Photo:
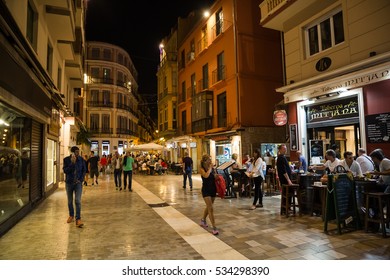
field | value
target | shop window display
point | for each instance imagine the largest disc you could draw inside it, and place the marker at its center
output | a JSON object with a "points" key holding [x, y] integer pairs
{"points": [[15, 142]]}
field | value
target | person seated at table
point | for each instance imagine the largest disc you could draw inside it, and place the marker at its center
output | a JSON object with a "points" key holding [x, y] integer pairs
{"points": [[365, 161], [330, 164], [351, 165], [234, 172], [164, 166], [158, 167], [384, 169]]}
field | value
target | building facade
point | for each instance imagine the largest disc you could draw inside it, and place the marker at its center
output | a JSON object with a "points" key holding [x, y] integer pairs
{"points": [[228, 69], [112, 101], [337, 57], [41, 54]]}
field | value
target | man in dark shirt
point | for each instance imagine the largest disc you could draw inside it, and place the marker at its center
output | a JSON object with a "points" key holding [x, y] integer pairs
{"points": [[284, 170], [74, 168], [93, 167], [187, 170]]}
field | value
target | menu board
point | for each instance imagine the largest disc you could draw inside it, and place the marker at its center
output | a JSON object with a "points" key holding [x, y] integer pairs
{"points": [[341, 203], [378, 128]]}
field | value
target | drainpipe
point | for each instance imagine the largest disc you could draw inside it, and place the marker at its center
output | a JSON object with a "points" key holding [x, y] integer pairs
{"points": [[236, 60]]}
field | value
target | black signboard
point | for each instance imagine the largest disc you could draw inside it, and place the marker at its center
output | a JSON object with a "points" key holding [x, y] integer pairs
{"points": [[338, 109], [341, 203], [378, 128], [293, 137]]}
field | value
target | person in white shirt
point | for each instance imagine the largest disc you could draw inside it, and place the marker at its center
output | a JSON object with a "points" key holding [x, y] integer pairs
{"points": [[351, 165], [258, 177], [384, 169], [365, 161], [330, 164]]}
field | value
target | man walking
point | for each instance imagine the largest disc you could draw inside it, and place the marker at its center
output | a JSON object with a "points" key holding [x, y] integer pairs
{"points": [[128, 162], [93, 167], [187, 170], [74, 168], [117, 165]]}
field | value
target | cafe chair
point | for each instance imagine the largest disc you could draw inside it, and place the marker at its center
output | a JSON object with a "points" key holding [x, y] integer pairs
{"points": [[290, 200], [377, 200]]}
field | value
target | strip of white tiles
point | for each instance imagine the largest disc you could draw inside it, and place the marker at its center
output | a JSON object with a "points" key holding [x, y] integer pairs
{"points": [[207, 245]]}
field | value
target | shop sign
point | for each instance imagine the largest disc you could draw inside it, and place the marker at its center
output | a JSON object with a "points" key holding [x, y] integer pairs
{"points": [[293, 137], [280, 117], [339, 109]]}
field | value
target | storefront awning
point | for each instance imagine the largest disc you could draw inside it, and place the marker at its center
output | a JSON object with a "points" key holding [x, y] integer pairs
{"points": [[219, 136]]}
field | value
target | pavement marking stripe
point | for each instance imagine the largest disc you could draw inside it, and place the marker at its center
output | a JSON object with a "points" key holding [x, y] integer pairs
{"points": [[207, 245]]}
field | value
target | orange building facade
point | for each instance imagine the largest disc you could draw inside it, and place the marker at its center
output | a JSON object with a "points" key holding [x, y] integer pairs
{"points": [[228, 69]]}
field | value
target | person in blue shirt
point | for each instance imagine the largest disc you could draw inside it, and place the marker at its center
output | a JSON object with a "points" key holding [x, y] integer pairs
{"points": [[302, 162], [74, 168]]}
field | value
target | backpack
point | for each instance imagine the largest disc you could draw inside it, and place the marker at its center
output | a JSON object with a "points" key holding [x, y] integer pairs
{"points": [[221, 185]]}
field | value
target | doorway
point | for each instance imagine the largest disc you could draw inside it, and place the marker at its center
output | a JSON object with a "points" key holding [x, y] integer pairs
{"points": [[346, 137]]}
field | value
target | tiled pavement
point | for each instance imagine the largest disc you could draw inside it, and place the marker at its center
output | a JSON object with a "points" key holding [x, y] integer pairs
{"points": [[159, 220]]}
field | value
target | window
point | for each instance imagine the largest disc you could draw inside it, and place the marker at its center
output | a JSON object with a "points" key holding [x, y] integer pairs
{"points": [[221, 66], [32, 23], [183, 91], [107, 75], [325, 34], [107, 54], [94, 72], [219, 22], [49, 59], [120, 58], [94, 97], [174, 121], [183, 121], [203, 42], [221, 101], [94, 122], [205, 74], [95, 53], [120, 102], [59, 78], [106, 97], [193, 85], [106, 123]]}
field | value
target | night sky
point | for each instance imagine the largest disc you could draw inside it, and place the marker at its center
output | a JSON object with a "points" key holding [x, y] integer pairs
{"points": [[138, 27]]}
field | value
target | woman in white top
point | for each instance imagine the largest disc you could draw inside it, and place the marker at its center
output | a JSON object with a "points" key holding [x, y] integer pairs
{"points": [[258, 177]]}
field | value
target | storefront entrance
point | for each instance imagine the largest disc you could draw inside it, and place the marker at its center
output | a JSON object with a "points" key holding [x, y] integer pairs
{"points": [[345, 137]]}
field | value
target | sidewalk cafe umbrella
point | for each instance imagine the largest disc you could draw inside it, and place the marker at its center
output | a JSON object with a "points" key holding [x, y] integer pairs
{"points": [[148, 147]]}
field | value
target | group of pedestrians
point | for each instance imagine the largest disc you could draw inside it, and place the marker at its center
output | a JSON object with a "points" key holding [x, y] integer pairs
{"points": [[123, 164]]}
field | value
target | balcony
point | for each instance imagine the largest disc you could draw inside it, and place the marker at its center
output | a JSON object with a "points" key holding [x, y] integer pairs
{"points": [[220, 27], [203, 84], [96, 80], [60, 21], [202, 44], [275, 13], [100, 104], [98, 131], [218, 74]]}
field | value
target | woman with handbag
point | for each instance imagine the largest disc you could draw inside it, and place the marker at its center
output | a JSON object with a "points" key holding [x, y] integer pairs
{"points": [[258, 177], [209, 191]]}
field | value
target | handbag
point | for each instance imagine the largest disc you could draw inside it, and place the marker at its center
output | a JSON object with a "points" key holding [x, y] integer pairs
{"points": [[221, 185]]}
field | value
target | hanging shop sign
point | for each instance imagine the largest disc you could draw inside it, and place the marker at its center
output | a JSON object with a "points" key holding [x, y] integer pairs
{"points": [[280, 117], [339, 109]]}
